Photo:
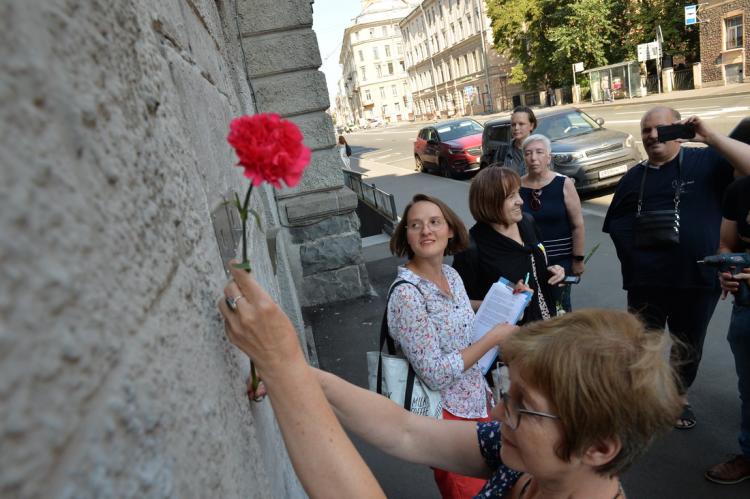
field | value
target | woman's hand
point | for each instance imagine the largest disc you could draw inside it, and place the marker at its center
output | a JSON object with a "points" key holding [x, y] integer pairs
{"points": [[257, 326], [731, 284], [558, 274], [522, 287], [502, 332], [578, 267]]}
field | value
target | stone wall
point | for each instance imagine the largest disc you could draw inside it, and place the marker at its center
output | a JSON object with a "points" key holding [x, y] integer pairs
{"points": [[115, 376], [712, 39]]}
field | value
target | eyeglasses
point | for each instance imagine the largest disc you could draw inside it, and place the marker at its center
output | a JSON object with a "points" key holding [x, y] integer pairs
{"points": [[536, 199], [417, 225], [512, 412]]}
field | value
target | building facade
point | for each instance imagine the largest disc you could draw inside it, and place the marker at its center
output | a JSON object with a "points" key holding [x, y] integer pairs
{"points": [[373, 67], [725, 26], [116, 378], [452, 68]]}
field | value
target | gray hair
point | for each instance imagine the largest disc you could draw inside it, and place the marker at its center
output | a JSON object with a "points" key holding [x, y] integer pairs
{"points": [[537, 137]]}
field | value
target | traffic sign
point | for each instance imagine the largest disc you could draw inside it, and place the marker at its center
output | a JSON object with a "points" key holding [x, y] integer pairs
{"points": [[691, 14], [578, 67]]}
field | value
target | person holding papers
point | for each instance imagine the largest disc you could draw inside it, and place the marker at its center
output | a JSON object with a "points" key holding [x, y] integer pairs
{"points": [[506, 243], [431, 319]]}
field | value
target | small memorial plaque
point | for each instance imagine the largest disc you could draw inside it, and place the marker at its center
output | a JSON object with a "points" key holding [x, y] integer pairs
{"points": [[228, 231]]}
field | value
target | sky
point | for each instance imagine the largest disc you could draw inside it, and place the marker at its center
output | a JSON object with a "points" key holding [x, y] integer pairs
{"points": [[330, 19]]}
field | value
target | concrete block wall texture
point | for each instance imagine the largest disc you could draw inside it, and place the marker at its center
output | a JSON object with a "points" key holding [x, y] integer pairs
{"points": [[116, 379], [712, 39]]}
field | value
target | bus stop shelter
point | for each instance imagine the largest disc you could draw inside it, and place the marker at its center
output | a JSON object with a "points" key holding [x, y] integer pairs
{"points": [[616, 81]]}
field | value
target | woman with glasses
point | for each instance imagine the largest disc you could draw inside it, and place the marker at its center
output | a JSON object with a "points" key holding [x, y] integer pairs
{"points": [[587, 393], [505, 242], [431, 319], [552, 200]]}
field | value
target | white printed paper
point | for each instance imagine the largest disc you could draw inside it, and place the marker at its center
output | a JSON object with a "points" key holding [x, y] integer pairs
{"points": [[499, 305]]}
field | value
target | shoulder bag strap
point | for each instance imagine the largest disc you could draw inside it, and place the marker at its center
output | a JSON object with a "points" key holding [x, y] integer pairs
{"points": [[385, 338]]}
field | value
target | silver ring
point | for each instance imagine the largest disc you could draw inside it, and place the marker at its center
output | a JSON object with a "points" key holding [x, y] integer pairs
{"points": [[232, 302]]}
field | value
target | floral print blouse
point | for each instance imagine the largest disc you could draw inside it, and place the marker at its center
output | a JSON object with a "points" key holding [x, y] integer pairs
{"points": [[431, 329], [503, 478]]}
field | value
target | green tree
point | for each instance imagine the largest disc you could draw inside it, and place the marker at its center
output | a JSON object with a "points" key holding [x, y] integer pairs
{"points": [[670, 15]]}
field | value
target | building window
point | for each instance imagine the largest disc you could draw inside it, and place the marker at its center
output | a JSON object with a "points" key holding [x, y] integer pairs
{"points": [[379, 70], [399, 49], [372, 32], [733, 33], [384, 109], [361, 56], [394, 90], [368, 97], [356, 35], [403, 69], [384, 30], [460, 28], [382, 92], [396, 107], [453, 33], [362, 71], [375, 53], [390, 68], [387, 50]]}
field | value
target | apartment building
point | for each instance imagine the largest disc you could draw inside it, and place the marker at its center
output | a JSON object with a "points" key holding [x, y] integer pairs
{"points": [[453, 69], [375, 87], [725, 41]]}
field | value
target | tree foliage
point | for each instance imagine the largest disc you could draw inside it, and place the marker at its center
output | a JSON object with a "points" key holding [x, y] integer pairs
{"points": [[546, 37]]}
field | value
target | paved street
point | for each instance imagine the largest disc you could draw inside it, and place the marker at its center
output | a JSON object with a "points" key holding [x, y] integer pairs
{"points": [[674, 467]]}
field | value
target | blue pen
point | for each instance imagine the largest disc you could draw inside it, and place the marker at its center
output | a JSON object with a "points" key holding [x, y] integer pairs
{"points": [[526, 281]]}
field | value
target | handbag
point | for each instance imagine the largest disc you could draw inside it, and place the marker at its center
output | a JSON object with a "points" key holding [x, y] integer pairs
{"points": [[658, 228], [392, 376]]}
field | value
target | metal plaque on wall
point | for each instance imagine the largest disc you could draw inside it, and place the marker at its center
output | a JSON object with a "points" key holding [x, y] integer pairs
{"points": [[228, 230]]}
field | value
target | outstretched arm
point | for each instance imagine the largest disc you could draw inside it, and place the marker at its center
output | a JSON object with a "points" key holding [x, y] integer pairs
{"points": [[449, 445], [736, 152], [322, 455], [575, 215]]}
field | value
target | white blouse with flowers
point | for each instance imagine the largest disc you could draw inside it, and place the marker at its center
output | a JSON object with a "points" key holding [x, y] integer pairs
{"points": [[431, 329]]}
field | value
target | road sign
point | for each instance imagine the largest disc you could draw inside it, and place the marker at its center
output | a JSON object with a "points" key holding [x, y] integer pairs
{"points": [[578, 67], [642, 52], [654, 50], [691, 14]]}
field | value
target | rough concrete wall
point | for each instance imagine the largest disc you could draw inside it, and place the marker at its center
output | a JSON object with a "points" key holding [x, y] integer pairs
{"points": [[712, 39], [115, 377]]}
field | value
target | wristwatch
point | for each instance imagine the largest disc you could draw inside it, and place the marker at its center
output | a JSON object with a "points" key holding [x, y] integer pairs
{"points": [[578, 258]]}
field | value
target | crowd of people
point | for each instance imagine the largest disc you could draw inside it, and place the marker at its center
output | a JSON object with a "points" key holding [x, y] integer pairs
{"points": [[584, 392]]}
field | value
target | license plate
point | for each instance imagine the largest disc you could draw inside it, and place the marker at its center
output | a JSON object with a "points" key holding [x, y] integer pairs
{"points": [[611, 172]]}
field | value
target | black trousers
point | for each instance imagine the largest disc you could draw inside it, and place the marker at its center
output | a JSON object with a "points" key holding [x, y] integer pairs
{"points": [[687, 312]]}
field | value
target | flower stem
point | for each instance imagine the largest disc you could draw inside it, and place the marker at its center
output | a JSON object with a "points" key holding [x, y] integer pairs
{"points": [[243, 216]]}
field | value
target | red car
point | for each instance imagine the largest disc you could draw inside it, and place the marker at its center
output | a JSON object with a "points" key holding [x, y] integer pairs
{"points": [[450, 147]]}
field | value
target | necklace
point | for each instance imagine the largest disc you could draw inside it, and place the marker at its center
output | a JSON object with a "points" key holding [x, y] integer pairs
{"points": [[619, 495]]}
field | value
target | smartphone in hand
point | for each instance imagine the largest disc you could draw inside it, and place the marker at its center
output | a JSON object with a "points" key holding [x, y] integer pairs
{"points": [[571, 279], [674, 132]]}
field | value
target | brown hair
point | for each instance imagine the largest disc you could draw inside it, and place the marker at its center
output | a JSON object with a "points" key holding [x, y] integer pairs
{"points": [[459, 242], [604, 375], [342, 140], [529, 112], [489, 190]]}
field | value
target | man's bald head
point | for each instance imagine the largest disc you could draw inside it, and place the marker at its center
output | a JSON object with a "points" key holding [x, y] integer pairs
{"points": [[662, 109]]}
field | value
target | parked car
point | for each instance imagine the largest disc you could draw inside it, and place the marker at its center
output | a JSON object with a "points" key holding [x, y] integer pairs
{"points": [[593, 156], [450, 147]]}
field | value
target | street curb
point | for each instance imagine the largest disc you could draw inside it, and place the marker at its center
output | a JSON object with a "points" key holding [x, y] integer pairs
{"points": [[635, 102]]}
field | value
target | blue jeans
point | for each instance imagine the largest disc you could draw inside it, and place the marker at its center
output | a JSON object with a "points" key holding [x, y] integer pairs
{"points": [[739, 341]]}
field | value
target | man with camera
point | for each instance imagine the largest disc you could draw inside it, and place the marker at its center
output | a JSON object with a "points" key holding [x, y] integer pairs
{"points": [[664, 217]]}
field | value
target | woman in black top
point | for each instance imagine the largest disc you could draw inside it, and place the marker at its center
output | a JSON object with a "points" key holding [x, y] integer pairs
{"points": [[505, 242]]}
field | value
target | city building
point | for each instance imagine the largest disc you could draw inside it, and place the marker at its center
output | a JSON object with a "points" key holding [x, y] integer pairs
{"points": [[453, 68], [373, 71], [724, 28]]}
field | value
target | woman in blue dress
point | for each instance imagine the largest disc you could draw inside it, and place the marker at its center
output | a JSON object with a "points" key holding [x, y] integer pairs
{"points": [[552, 200], [586, 394]]}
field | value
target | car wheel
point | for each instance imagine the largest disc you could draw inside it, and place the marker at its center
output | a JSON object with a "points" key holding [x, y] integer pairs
{"points": [[444, 170], [419, 165]]}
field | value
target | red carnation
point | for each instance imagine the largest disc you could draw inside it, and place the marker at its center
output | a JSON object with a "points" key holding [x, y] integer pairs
{"points": [[269, 148]]}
